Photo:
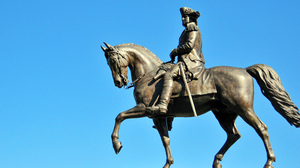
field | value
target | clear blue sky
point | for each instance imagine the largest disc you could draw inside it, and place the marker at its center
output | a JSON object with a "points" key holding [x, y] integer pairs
{"points": [[58, 102]]}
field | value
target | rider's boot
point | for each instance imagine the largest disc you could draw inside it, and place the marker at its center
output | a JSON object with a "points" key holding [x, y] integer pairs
{"points": [[159, 74], [162, 106]]}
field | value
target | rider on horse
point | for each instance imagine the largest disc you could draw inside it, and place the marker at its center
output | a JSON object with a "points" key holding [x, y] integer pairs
{"points": [[189, 52]]}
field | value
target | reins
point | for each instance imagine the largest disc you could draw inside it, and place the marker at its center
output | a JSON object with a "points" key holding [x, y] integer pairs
{"points": [[132, 83], [124, 79]]}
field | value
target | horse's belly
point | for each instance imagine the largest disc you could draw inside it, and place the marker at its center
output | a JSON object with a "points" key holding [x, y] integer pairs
{"points": [[181, 106]]}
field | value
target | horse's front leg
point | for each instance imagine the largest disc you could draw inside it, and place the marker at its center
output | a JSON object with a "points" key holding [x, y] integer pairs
{"points": [[136, 112], [161, 126]]}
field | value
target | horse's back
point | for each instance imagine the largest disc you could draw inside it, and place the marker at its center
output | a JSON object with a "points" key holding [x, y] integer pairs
{"points": [[232, 76], [234, 85]]}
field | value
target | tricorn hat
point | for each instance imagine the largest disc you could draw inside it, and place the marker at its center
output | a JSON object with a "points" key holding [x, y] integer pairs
{"points": [[190, 12]]}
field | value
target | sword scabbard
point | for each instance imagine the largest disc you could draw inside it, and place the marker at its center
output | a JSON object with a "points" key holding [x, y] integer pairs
{"points": [[187, 89]]}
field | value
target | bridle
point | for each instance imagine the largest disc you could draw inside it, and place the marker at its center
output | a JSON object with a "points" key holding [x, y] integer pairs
{"points": [[118, 64], [119, 56], [124, 78]]}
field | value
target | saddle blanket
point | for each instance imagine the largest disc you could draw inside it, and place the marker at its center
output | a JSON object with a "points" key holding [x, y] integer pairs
{"points": [[204, 84]]}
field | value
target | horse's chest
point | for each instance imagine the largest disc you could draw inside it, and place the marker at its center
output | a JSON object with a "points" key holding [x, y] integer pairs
{"points": [[147, 93]]}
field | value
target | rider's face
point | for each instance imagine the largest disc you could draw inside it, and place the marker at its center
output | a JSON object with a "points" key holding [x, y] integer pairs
{"points": [[185, 20]]}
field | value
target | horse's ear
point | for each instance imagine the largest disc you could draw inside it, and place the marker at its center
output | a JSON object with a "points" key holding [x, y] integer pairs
{"points": [[103, 48], [111, 48]]}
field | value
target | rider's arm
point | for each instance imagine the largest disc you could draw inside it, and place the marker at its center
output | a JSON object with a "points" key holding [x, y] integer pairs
{"points": [[188, 46]]}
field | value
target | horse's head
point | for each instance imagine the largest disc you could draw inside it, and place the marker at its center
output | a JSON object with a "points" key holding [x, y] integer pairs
{"points": [[118, 64]]}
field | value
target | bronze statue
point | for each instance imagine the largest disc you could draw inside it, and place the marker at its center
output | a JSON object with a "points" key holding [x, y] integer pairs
{"points": [[190, 56], [226, 91]]}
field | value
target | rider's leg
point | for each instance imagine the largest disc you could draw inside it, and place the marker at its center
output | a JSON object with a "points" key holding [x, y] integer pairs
{"points": [[162, 106], [165, 94]]}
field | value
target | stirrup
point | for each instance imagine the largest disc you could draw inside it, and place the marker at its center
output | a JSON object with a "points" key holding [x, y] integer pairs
{"points": [[157, 110]]}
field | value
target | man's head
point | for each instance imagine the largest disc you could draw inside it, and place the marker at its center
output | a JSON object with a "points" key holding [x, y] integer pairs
{"points": [[188, 15]]}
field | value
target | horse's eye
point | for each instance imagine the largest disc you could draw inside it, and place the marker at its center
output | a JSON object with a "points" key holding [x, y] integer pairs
{"points": [[113, 61]]}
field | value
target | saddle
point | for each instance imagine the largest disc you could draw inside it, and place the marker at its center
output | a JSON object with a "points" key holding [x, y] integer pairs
{"points": [[203, 83], [200, 82]]}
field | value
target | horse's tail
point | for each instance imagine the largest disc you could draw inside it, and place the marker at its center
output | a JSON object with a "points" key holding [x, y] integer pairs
{"points": [[272, 88]]}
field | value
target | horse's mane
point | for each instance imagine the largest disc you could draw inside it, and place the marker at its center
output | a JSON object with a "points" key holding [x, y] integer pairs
{"points": [[141, 49]]}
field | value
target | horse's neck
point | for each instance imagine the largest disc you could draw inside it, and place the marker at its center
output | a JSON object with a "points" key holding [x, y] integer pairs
{"points": [[140, 65]]}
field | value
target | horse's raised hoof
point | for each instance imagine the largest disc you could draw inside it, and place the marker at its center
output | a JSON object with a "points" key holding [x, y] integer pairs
{"points": [[117, 146], [217, 160]]}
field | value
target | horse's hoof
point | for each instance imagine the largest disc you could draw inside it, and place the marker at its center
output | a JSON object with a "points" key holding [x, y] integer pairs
{"points": [[169, 162], [268, 166], [269, 162], [167, 166], [218, 165], [117, 146]]}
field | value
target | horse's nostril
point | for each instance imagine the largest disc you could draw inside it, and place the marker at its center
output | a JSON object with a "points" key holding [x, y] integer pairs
{"points": [[117, 83]]}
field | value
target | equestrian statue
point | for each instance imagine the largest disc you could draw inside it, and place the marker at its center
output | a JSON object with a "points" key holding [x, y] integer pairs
{"points": [[163, 91]]}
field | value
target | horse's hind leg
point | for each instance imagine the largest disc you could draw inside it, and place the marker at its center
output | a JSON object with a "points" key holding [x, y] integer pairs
{"points": [[161, 126], [227, 121], [262, 130]]}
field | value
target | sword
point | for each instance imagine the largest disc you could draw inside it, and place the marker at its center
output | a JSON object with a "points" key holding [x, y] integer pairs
{"points": [[187, 89]]}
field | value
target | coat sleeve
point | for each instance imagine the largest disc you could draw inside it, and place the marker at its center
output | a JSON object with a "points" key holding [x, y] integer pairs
{"points": [[187, 46]]}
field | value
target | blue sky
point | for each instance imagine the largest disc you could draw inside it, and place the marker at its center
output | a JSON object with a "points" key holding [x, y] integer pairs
{"points": [[58, 102]]}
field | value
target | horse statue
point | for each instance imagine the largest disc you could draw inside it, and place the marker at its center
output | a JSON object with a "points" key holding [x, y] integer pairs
{"points": [[231, 94]]}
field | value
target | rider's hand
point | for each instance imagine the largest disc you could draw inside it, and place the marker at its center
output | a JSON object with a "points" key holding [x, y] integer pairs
{"points": [[173, 54]]}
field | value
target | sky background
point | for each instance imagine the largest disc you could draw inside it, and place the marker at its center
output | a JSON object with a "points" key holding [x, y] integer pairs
{"points": [[58, 102]]}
